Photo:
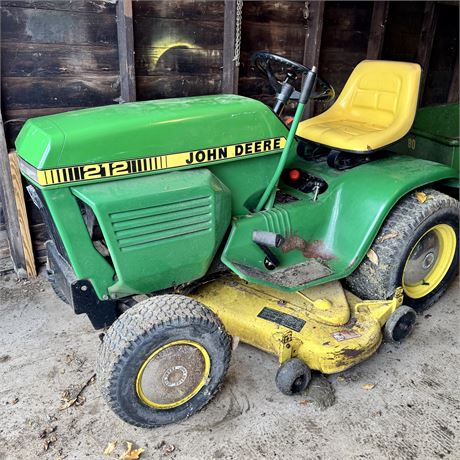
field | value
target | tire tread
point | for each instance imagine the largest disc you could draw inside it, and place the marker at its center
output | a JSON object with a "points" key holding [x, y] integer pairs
{"points": [[132, 327], [370, 281]]}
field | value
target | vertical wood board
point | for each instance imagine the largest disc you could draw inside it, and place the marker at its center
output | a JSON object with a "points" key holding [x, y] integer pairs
{"points": [[125, 37]]}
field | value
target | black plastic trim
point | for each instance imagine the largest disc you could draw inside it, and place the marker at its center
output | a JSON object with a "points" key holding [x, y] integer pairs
{"points": [[80, 294]]}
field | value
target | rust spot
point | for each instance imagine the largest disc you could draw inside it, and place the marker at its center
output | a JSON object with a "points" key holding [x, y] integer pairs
{"points": [[351, 353], [310, 249]]}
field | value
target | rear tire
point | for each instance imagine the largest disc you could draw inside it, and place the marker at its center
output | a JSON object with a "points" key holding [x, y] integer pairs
{"points": [[416, 248], [163, 360]]}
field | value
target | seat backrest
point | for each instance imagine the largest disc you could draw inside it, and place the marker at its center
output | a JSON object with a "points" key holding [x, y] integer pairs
{"points": [[381, 93]]}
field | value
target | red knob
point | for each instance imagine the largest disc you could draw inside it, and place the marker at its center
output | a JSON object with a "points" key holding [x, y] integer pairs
{"points": [[294, 174]]}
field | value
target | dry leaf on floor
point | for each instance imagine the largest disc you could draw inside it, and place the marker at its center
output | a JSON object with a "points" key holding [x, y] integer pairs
{"points": [[51, 440], [46, 431], [373, 257], [110, 447], [131, 454], [421, 197], [304, 402], [368, 386], [388, 236], [168, 448], [73, 395]]}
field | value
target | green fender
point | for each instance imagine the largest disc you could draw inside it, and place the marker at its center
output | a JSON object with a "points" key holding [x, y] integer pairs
{"points": [[342, 224]]}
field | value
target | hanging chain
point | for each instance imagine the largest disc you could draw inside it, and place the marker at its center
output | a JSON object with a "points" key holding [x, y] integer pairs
{"points": [[306, 11], [239, 19]]}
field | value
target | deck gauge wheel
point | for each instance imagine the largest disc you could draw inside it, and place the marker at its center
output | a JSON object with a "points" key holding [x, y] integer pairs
{"points": [[400, 324], [293, 376]]}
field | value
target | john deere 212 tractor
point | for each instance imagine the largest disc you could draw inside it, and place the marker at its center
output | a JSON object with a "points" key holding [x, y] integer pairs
{"points": [[235, 226]]}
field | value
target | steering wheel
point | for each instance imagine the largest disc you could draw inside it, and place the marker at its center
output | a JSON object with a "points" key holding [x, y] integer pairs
{"points": [[263, 59]]}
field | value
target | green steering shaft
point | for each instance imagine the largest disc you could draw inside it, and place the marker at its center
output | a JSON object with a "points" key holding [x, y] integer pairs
{"points": [[307, 88]]}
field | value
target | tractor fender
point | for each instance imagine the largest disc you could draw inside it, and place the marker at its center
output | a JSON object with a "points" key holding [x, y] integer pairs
{"points": [[363, 198], [338, 228]]}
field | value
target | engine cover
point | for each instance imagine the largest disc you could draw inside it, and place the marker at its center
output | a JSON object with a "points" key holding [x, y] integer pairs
{"points": [[161, 230]]}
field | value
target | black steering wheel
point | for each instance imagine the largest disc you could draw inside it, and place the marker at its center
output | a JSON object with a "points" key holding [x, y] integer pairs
{"points": [[263, 59]]}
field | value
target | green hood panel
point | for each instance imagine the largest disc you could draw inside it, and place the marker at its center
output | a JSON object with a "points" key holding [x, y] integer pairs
{"points": [[140, 129]]}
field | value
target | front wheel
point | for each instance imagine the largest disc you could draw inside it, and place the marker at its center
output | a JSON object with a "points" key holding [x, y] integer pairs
{"points": [[163, 360], [417, 248]]}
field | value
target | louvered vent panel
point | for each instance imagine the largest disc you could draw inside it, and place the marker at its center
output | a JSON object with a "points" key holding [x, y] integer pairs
{"points": [[145, 227]]}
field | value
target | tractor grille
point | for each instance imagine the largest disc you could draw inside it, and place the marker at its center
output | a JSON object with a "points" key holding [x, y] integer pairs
{"points": [[146, 227]]}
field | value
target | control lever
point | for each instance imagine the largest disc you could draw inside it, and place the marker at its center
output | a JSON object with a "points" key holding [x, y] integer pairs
{"points": [[265, 241], [316, 188]]}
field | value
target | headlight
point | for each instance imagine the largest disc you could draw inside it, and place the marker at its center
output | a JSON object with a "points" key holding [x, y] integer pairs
{"points": [[28, 170]]}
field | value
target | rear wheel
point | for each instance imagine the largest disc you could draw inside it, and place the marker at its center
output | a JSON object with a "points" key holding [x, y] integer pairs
{"points": [[163, 360], [417, 248]]}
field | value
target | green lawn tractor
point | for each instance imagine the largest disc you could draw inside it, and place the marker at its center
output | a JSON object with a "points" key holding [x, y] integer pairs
{"points": [[184, 226]]}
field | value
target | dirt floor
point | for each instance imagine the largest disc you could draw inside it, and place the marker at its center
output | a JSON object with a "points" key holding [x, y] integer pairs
{"points": [[47, 355]]}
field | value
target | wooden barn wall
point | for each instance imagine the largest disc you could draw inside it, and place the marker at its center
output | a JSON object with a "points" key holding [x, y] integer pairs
{"points": [[346, 27], [278, 27], [56, 55], [60, 55], [444, 58], [178, 47]]}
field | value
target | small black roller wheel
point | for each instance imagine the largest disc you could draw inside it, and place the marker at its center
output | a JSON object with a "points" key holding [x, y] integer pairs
{"points": [[400, 324], [417, 248], [162, 360], [293, 376]]}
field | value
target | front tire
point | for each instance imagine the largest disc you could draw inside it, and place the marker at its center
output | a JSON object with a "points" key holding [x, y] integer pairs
{"points": [[163, 360], [417, 248]]}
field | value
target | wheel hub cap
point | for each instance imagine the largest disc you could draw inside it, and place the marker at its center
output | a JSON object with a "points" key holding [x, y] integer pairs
{"points": [[429, 261], [173, 374]]}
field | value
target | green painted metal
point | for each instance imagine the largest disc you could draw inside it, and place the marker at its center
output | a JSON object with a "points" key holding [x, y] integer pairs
{"points": [[434, 136], [86, 261], [145, 253], [269, 191], [162, 230], [140, 129], [343, 221]]}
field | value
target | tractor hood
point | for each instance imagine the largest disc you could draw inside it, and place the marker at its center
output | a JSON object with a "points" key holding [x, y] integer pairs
{"points": [[144, 129]]}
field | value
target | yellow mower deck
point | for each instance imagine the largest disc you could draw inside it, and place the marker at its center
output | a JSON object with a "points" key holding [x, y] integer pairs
{"points": [[326, 327]]}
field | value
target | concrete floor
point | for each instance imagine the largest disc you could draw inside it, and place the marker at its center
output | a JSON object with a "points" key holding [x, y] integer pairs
{"points": [[412, 412]]}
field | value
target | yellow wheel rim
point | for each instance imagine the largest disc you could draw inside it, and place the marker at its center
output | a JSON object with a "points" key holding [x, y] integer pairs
{"points": [[173, 374], [429, 261]]}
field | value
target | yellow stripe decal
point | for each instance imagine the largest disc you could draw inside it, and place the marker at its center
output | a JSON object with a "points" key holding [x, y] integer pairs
{"points": [[157, 163]]}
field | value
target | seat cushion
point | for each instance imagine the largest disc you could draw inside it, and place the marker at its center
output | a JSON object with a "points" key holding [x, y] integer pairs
{"points": [[376, 108], [342, 134]]}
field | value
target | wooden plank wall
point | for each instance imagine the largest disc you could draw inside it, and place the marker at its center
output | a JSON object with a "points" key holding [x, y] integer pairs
{"points": [[179, 47], [60, 55], [444, 56], [278, 27], [346, 28], [56, 55]]}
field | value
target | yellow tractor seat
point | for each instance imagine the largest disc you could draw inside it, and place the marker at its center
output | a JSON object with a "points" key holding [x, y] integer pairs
{"points": [[375, 108]]}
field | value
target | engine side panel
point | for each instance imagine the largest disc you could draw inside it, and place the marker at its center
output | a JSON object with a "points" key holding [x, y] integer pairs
{"points": [[162, 230]]}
